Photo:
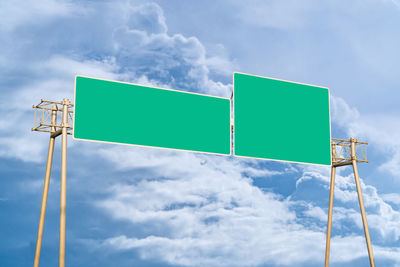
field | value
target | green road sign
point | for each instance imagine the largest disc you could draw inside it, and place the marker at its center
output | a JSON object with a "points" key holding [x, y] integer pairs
{"points": [[281, 120], [125, 113]]}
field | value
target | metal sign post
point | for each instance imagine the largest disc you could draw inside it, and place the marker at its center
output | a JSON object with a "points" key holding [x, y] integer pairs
{"points": [[46, 113], [348, 152]]}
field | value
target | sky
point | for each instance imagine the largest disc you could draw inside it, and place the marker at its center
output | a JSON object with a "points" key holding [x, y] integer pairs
{"points": [[135, 206]]}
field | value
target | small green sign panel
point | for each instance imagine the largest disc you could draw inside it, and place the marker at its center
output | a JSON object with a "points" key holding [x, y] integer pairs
{"points": [[281, 120], [125, 113]]}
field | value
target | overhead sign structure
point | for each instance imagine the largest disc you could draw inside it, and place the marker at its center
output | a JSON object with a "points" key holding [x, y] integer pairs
{"points": [[273, 119], [281, 120], [117, 112]]}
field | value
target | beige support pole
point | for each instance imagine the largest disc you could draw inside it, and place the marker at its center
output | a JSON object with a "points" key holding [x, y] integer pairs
{"points": [[329, 230], [45, 189], [63, 193], [360, 200], [330, 211]]}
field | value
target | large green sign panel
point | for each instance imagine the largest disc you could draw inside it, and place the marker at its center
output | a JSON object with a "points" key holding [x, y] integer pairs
{"points": [[139, 115], [281, 120]]}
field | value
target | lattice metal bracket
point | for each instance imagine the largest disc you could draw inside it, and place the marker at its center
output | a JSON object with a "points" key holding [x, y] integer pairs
{"points": [[341, 151], [47, 113]]}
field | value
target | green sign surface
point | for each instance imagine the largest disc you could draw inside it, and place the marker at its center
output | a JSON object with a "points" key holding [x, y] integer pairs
{"points": [[281, 120], [125, 113]]}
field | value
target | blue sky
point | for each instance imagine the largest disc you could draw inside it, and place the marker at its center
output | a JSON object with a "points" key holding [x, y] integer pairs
{"points": [[129, 206]]}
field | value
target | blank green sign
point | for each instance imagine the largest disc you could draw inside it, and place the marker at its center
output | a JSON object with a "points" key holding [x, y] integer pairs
{"points": [[281, 120], [139, 115]]}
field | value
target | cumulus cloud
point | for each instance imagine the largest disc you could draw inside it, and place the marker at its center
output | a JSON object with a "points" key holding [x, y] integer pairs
{"points": [[144, 48], [380, 129], [210, 211], [382, 217], [317, 213], [149, 18], [212, 215]]}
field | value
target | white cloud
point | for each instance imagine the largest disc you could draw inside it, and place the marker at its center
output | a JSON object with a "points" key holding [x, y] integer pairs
{"points": [[25, 147], [395, 2], [177, 61], [342, 114], [187, 251], [211, 218], [147, 17], [277, 14], [381, 216], [210, 211], [21, 12], [381, 130], [392, 198], [316, 212]]}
